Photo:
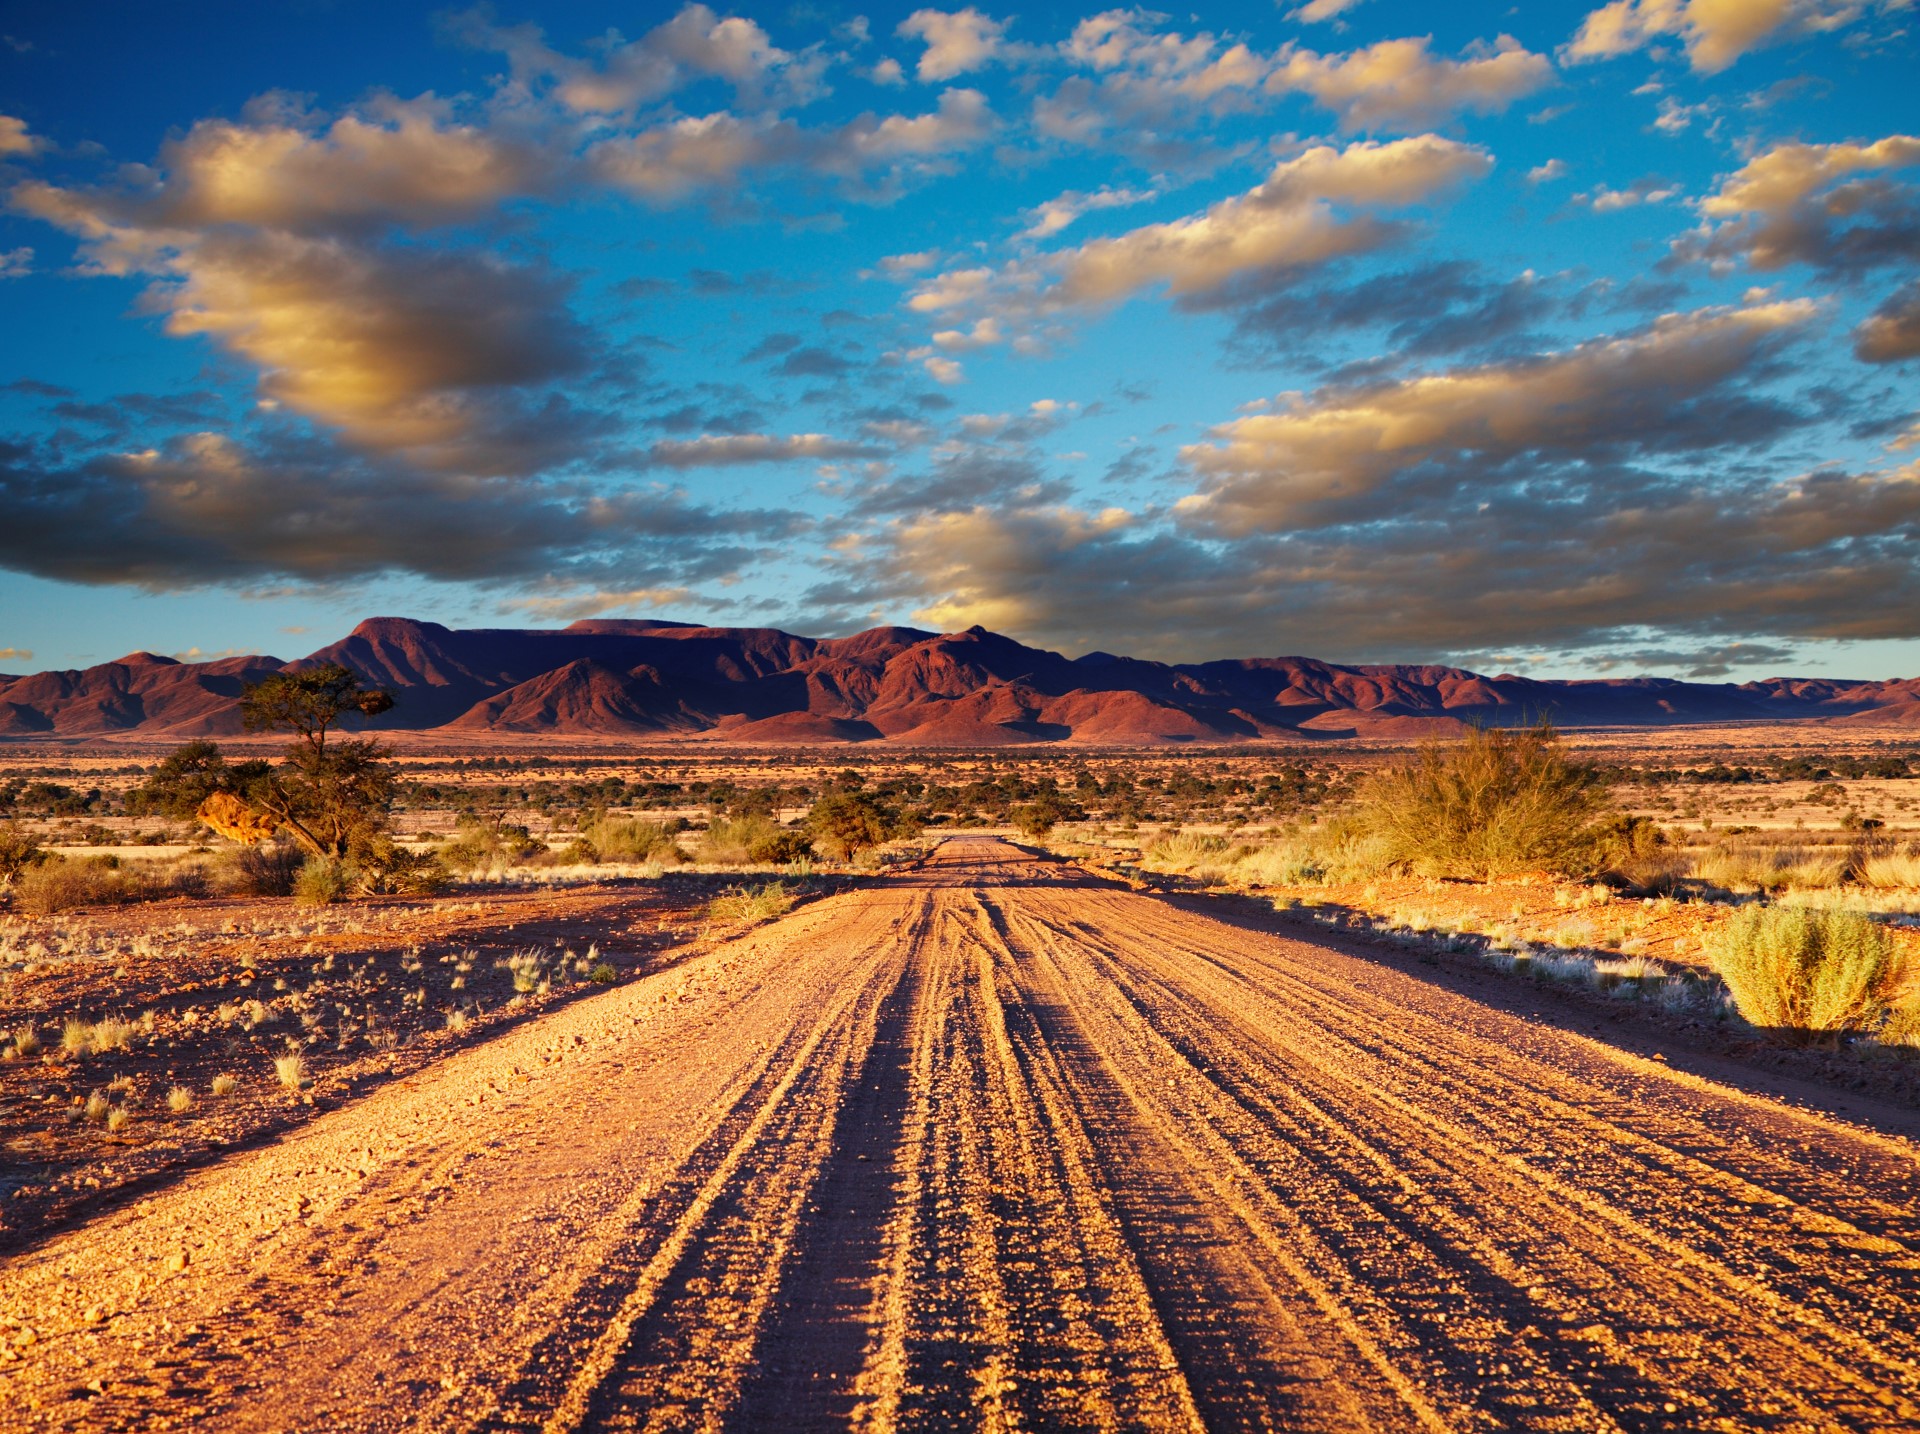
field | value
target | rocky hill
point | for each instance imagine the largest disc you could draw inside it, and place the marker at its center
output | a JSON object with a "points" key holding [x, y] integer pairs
{"points": [[646, 680]]}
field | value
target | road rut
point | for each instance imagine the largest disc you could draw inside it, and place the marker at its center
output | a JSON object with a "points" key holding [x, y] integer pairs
{"points": [[996, 1144]]}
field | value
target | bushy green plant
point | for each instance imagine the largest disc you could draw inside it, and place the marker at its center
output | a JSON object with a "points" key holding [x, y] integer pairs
{"points": [[62, 883], [387, 869], [323, 880], [844, 823], [1493, 803], [752, 838], [626, 839], [1794, 968]]}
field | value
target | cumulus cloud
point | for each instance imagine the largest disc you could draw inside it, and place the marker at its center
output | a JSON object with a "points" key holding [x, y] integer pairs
{"points": [[1892, 331], [1586, 566], [1286, 223], [1316, 11], [695, 44], [1716, 32], [1398, 84], [208, 509], [1807, 204], [730, 450], [958, 42], [404, 162], [16, 263], [669, 162], [1320, 460], [15, 140]]}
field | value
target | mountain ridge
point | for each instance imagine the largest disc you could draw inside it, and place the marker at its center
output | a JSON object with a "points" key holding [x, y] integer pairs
{"points": [[658, 680]]}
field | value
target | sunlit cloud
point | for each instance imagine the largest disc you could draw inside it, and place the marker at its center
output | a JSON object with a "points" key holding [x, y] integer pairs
{"points": [[1398, 84], [1716, 32]]}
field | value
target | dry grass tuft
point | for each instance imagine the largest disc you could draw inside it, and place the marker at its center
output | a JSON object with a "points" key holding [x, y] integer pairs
{"points": [[224, 1085], [748, 905], [291, 1070], [179, 1100]]}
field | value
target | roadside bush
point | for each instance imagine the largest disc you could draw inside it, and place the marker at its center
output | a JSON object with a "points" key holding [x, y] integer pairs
{"points": [[626, 839], [63, 883], [760, 903], [1794, 968], [1494, 803], [323, 880]]}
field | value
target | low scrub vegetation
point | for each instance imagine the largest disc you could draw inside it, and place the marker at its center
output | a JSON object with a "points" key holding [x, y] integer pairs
{"points": [[1795, 969], [1494, 803], [751, 904]]}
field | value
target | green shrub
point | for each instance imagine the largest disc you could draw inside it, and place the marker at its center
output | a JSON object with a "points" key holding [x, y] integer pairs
{"points": [[1793, 968], [387, 869], [323, 880], [626, 839], [754, 838], [604, 974], [1493, 803]]}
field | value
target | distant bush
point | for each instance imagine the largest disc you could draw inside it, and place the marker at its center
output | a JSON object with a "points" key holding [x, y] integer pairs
{"points": [[18, 850], [482, 846], [1493, 803], [844, 823], [1794, 968], [752, 839], [628, 840]]}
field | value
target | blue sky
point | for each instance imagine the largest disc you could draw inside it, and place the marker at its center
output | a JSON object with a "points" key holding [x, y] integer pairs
{"points": [[1542, 338]]}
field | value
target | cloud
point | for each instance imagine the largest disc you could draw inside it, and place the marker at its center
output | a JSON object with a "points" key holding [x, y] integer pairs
{"points": [[1286, 223], [1716, 32], [1445, 307], [16, 263], [1321, 460], [568, 606], [1398, 84], [734, 449], [205, 509], [671, 162], [1802, 204], [1316, 11], [1891, 332], [15, 141], [1543, 173], [1050, 218], [695, 44], [1605, 200], [1591, 566], [392, 162], [16, 654], [958, 42]]}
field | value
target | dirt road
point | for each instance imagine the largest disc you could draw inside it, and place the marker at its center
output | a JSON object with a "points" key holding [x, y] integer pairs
{"points": [[996, 1145]]}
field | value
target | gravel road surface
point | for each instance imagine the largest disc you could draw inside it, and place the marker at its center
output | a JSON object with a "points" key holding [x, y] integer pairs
{"points": [[995, 1144]]}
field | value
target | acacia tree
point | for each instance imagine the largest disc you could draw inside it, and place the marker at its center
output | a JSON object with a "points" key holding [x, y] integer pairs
{"points": [[331, 791]]}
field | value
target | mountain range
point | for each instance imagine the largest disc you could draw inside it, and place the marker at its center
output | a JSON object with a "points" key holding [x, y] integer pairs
{"points": [[647, 680]]}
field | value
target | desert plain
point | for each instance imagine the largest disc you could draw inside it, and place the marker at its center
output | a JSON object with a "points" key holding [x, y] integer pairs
{"points": [[1112, 1124]]}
